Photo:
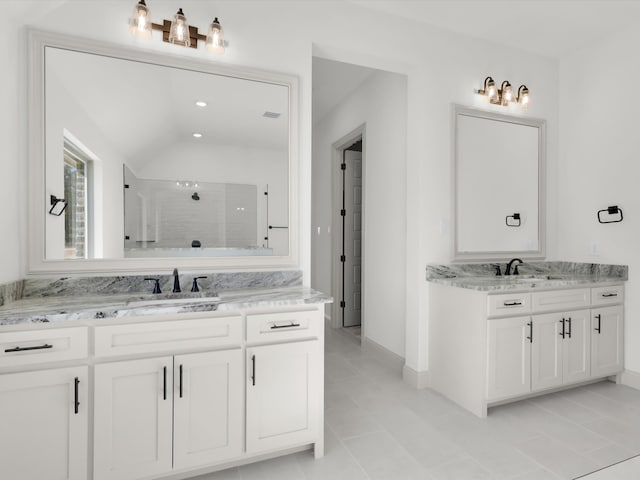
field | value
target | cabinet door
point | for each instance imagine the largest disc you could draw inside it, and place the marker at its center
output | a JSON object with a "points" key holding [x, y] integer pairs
{"points": [[283, 395], [509, 358], [207, 407], [576, 348], [44, 434], [606, 341], [133, 416], [546, 351]]}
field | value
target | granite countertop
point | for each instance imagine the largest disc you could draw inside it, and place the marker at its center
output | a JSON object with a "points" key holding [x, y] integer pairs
{"points": [[533, 276], [34, 310]]}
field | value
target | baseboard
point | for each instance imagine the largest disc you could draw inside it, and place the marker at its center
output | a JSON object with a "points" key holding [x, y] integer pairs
{"points": [[381, 352], [630, 379], [414, 378]]}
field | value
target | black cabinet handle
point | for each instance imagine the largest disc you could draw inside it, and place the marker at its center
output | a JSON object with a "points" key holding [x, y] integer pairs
{"points": [[76, 401], [609, 294], [569, 332], [563, 331], [180, 381], [530, 337], [512, 304], [292, 324], [25, 349], [164, 383], [253, 370], [599, 317]]}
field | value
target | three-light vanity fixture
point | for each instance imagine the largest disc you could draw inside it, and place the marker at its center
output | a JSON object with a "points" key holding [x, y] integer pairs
{"points": [[176, 31], [504, 95]]}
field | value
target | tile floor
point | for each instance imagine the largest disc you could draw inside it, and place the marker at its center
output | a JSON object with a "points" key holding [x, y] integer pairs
{"points": [[377, 427]]}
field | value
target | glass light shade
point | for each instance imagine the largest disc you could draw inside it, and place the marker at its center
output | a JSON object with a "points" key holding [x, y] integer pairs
{"points": [[179, 31], [215, 38], [523, 96], [140, 21], [507, 93]]}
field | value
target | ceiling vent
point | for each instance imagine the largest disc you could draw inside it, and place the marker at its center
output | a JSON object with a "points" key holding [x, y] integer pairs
{"points": [[271, 114]]}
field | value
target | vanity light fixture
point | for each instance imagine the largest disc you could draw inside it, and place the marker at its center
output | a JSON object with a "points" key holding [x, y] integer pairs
{"points": [[504, 95], [176, 31]]}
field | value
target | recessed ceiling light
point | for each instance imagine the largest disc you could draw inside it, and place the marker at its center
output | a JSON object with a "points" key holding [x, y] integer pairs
{"points": [[271, 114], [197, 135], [200, 103]]}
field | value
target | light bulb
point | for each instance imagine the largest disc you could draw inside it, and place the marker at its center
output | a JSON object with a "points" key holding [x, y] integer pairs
{"points": [[215, 38], [179, 31], [197, 135], [200, 103], [140, 21]]}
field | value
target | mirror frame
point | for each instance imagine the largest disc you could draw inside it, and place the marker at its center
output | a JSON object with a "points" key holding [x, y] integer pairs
{"points": [[541, 125], [37, 201]]}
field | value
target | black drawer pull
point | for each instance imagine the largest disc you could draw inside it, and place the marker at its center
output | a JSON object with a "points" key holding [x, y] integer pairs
{"points": [[530, 337], [76, 402], [609, 295], [599, 317], [25, 349], [291, 325], [563, 331], [180, 381], [512, 304], [569, 332]]}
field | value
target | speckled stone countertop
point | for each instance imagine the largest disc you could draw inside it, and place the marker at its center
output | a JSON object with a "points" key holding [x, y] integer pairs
{"points": [[533, 276], [37, 310]]}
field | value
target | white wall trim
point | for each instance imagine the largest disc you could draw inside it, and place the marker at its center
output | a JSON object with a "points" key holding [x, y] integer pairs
{"points": [[630, 379], [414, 378]]}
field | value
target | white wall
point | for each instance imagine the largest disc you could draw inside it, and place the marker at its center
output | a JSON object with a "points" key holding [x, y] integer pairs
{"points": [[381, 104], [600, 164], [442, 68]]}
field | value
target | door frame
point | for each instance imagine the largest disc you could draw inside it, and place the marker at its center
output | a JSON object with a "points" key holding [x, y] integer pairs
{"points": [[336, 224]]}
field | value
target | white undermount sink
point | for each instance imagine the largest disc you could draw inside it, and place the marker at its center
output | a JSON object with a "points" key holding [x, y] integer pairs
{"points": [[170, 299]]}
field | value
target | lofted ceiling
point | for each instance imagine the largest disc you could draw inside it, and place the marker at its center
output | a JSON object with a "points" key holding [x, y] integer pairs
{"points": [[550, 28]]}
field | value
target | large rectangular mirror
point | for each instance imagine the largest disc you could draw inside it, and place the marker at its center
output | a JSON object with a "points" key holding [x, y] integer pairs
{"points": [[160, 160], [499, 163]]}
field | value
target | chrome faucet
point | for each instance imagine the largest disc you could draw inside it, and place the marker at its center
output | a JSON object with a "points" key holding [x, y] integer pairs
{"points": [[507, 270], [176, 281]]}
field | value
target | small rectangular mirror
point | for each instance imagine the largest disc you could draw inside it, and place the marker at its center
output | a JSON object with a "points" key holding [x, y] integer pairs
{"points": [[499, 164]]}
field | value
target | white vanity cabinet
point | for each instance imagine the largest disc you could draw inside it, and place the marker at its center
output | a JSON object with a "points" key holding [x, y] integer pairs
{"points": [[44, 411], [154, 415], [486, 349]]}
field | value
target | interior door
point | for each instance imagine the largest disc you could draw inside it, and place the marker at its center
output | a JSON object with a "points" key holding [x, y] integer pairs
{"points": [[352, 239], [207, 407]]}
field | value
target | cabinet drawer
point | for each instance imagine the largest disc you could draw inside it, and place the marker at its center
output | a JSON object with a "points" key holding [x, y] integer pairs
{"points": [[607, 295], [561, 300], [508, 304], [272, 327], [163, 336], [43, 346]]}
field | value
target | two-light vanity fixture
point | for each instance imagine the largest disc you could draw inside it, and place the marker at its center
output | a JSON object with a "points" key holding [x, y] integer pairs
{"points": [[504, 95], [176, 31]]}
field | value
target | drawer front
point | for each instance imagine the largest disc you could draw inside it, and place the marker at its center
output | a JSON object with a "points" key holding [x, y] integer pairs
{"points": [[43, 346], [272, 327], [607, 295], [165, 336], [508, 304], [561, 300]]}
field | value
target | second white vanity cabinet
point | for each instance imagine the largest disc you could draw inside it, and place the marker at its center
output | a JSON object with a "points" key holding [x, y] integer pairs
{"points": [[487, 349]]}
